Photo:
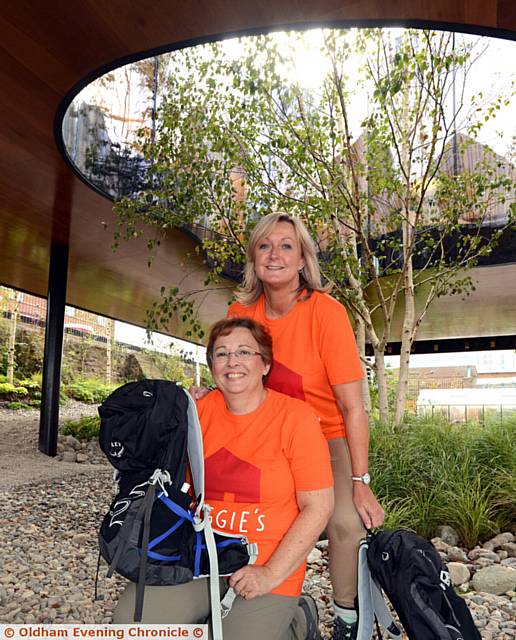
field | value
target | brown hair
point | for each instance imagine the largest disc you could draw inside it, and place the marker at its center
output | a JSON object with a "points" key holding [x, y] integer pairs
{"points": [[309, 276], [225, 327]]}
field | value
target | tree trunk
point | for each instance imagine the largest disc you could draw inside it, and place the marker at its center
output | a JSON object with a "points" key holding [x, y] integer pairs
{"points": [[109, 350], [11, 349], [408, 325], [408, 274], [361, 340], [381, 381]]}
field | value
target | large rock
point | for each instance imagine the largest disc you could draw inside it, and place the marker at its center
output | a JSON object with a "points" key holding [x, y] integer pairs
{"points": [[448, 535], [496, 579], [459, 573], [498, 541]]}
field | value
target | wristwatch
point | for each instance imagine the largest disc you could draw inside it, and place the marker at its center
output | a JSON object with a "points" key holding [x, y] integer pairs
{"points": [[365, 479]]}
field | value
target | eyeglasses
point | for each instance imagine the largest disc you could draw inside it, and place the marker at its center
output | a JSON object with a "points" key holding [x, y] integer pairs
{"points": [[240, 354]]}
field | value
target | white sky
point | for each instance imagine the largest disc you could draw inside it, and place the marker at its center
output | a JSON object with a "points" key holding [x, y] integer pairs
{"points": [[484, 361], [137, 336], [491, 74]]}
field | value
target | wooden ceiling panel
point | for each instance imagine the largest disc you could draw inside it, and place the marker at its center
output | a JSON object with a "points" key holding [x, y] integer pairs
{"points": [[47, 48]]}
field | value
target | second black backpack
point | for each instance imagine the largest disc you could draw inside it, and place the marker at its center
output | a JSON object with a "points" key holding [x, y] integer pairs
{"points": [[412, 575]]}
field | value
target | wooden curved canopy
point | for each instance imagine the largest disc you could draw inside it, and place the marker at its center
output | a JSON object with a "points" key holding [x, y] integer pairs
{"points": [[48, 49]]}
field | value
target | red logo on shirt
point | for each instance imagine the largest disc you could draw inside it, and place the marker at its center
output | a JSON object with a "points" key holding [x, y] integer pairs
{"points": [[285, 381], [227, 474]]}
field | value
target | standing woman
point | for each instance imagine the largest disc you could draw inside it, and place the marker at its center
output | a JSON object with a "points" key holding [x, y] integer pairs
{"points": [[316, 360]]}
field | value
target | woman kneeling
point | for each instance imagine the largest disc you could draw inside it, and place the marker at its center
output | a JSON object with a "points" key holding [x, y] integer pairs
{"points": [[268, 477]]}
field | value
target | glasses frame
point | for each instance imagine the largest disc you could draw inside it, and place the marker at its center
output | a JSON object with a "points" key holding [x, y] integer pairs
{"points": [[227, 355]]}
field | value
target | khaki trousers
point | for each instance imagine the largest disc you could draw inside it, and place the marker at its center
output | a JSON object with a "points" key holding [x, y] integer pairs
{"points": [[345, 528], [269, 617]]}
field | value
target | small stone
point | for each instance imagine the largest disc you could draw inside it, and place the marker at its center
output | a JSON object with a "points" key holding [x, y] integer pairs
{"points": [[82, 457], [509, 608], [440, 545], [72, 442], [69, 456], [455, 554], [459, 573], [496, 579], [503, 555], [448, 535], [509, 562], [477, 553], [510, 547], [484, 562], [314, 556]]}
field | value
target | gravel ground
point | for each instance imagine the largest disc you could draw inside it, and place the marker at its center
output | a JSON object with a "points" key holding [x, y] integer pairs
{"points": [[50, 512], [20, 460]]}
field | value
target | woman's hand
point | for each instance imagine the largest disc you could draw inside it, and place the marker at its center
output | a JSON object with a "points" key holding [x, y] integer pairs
{"points": [[198, 393], [252, 581], [367, 505]]}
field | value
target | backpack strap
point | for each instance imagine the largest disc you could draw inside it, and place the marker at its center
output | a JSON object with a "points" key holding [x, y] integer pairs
{"points": [[202, 514], [371, 604], [229, 597], [365, 601], [195, 452], [146, 511], [382, 613], [216, 614], [123, 537]]}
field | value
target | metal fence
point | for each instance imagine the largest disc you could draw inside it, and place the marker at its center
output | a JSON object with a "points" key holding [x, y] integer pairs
{"points": [[30, 313], [468, 413]]}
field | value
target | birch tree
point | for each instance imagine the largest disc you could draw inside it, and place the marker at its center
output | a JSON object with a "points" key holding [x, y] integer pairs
{"points": [[396, 228]]}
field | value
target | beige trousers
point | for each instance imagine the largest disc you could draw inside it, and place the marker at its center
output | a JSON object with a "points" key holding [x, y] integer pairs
{"points": [[270, 617], [345, 528]]}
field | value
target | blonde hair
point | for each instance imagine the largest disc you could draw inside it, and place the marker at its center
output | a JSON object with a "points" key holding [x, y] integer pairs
{"points": [[309, 276]]}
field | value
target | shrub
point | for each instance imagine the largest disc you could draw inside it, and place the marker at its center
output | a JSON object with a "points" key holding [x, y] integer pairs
{"points": [[11, 392], [90, 391], [29, 353], [18, 406], [86, 428], [30, 384], [428, 473]]}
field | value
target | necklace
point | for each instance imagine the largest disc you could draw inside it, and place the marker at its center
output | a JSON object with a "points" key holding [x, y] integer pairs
{"points": [[274, 315]]}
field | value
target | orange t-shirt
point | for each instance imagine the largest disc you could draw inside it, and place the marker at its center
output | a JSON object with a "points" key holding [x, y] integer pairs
{"points": [[314, 348], [255, 463]]}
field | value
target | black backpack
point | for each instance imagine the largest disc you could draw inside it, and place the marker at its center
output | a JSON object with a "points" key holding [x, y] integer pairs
{"points": [[411, 573], [156, 532]]}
